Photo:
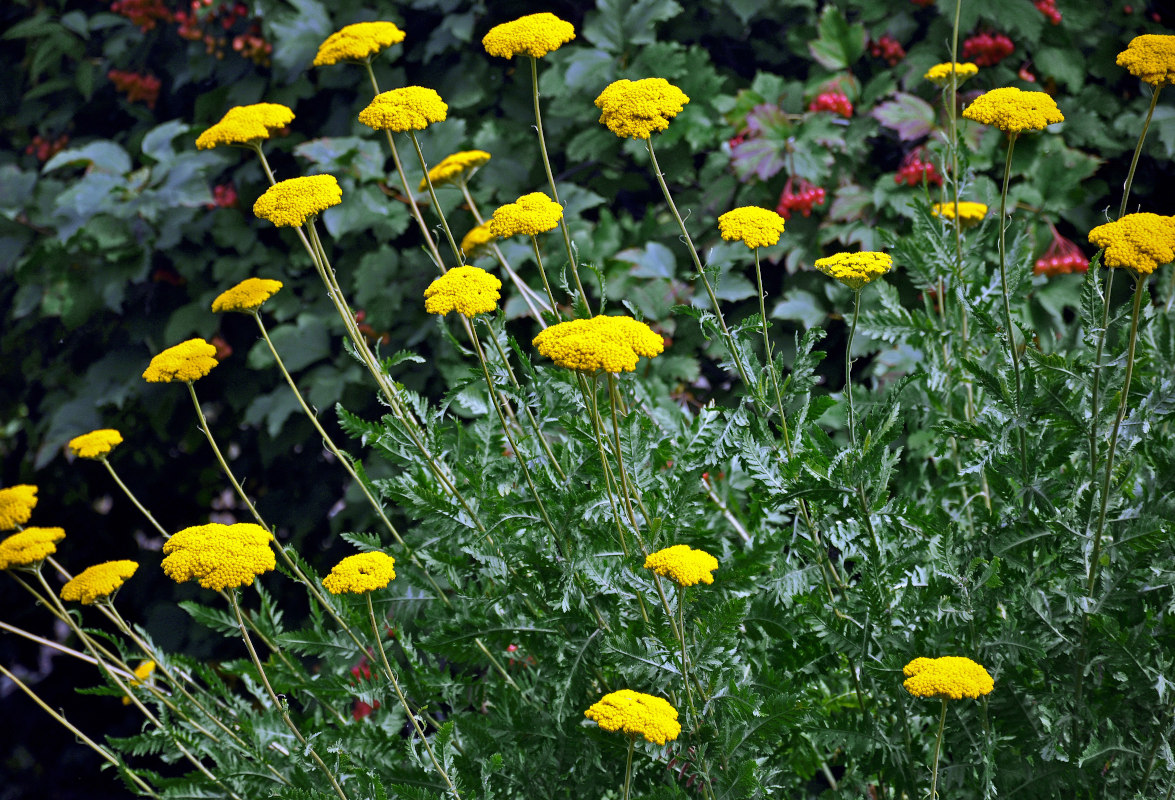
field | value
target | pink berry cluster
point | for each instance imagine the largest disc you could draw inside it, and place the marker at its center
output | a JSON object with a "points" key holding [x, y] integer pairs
{"points": [[144, 13], [1062, 257], [987, 49], [799, 197], [913, 171], [224, 195], [888, 48], [1049, 9], [137, 87], [45, 149], [833, 101]]}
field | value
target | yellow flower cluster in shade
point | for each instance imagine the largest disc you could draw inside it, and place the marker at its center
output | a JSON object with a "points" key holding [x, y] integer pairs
{"points": [[949, 678], [360, 573], [533, 35], [95, 444], [453, 167], [530, 214], [636, 109], [611, 344], [16, 505], [98, 581], [219, 556], [476, 239], [466, 290], [290, 203], [30, 546], [683, 564], [246, 125], [1139, 242], [143, 671], [357, 42], [855, 270], [1150, 58], [186, 361], [1012, 110], [248, 295], [940, 74], [412, 108], [970, 214], [636, 714], [751, 225]]}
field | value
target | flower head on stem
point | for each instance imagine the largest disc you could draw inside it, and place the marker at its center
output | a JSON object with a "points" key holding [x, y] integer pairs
{"points": [[533, 35], [246, 125], [246, 296], [467, 290], [98, 582], [411, 108], [1137, 242], [29, 547], [16, 505], [358, 42], [637, 109], [290, 203]]}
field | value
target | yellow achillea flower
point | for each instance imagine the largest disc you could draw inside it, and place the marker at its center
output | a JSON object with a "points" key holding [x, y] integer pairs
{"points": [[16, 505], [530, 214], [412, 108], [855, 270], [476, 239], [248, 295], [95, 444], [363, 572], [533, 35], [466, 290], [1150, 58], [683, 564], [186, 361], [453, 167], [940, 74], [636, 713], [290, 203], [98, 581], [30, 546], [219, 556], [970, 214], [142, 672], [1139, 242], [357, 42], [751, 225], [635, 109], [611, 344], [246, 125], [1012, 110], [947, 678]]}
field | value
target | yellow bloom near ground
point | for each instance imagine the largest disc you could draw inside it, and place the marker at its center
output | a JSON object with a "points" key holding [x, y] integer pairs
{"points": [[247, 295], [683, 564], [357, 42], [1012, 110], [533, 35], [1139, 242], [246, 124], [636, 714], [610, 344], [360, 573], [219, 556], [30, 546], [95, 444], [98, 581], [290, 203], [466, 290], [855, 270], [637, 109], [186, 361], [1150, 58], [16, 505], [949, 677], [454, 166], [530, 215], [751, 225], [412, 108], [940, 74]]}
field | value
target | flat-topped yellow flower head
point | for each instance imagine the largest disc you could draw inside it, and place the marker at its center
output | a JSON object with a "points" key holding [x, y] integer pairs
{"points": [[247, 296], [358, 42], [609, 344], [1015, 111], [970, 214], [219, 556], [411, 108], [683, 564], [533, 35], [98, 582], [467, 290], [16, 505], [455, 167], [290, 203], [529, 215], [245, 125], [29, 547], [476, 239], [855, 270], [940, 74], [949, 678], [187, 361], [360, 573], [1150, 58], [1138, 242], [95, 444], [636, 714], [751, 225], [637, 109]]}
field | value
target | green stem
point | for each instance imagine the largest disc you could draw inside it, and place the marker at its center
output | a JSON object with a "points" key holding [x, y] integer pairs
{"points": [[942, 721], [534, 242], [133, 499], [768, 360], [1012, 349], [849, 367], [628, 765], [433, 195]]}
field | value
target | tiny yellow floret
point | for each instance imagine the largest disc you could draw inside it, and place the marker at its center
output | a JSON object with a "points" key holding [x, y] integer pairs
{"points": [[245, 125], [186, 361], [1150, 58], [466, 290], [360, 573], [143, 671], [1138, 242], [358, 42], [1015, 111], [248, 295], [947, 678], [970, 214], [636, 714], [855, 270], [16, 505], [95, 444], [610, 344], [751, 225], [533, 35], [530, 215], [683, 564], [940, 74], [454, 167], [219, 556], [412, 108], [476, 239], [30, 546], [98, 582], [290, 203], [636, 109]]}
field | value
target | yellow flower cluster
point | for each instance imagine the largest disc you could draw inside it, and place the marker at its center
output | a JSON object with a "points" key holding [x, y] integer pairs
{"points": [[30, 546], [412, 108], [95, 444], [636, 714], [1150, 58], [357, 42], [970, 214], [453, 167], [533, 35], [683, 564], [246, 125], [186, 361], [466, 290], [248, 295], [219, 556], [940, 74], [1012, 110], [611, 344], [16, 505], [855, 270], [98, 581], [291, 202], [363, 572], [476, 239], [1139, 242], [949, 677], [635, 109], [751, 225], [530, 214]]}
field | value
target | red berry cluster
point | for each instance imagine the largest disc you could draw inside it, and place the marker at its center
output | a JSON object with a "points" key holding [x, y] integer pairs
{"points": [[888, 48], [252, 45], [136, 86], [801, 198], [1062, 256], [913, 171], [44, 149], [224, 195], [144, 13], [372, 335], [835, 102], [738, 139], [987, 49], [1049, 9]]}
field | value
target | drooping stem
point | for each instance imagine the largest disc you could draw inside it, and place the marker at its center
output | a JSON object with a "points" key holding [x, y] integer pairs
{"points": [[942, 721]]}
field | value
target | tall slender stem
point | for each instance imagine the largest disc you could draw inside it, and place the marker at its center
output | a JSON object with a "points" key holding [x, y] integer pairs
{"points": [[767, 359], [849, 367], [435, 204], [538, 257], [942, 721], [133, 499], [1013, 351], [628, 765]]}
